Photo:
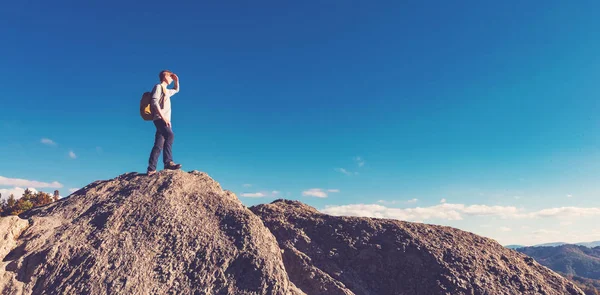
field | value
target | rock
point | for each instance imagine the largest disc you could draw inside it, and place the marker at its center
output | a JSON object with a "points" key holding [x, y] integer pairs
{"points": [[11, 228], [325, 254], [181, 233], [171, 233]]}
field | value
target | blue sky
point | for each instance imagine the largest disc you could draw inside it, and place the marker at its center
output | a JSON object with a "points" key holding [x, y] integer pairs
{"points": [[473, 114]]}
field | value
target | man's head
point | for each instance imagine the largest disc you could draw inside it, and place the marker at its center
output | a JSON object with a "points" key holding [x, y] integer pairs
{"points": [[166, 76]]}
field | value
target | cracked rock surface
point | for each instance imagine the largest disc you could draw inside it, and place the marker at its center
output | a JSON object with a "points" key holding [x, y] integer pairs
{"points": [[326, 254], [179, 232], [171, 233]]}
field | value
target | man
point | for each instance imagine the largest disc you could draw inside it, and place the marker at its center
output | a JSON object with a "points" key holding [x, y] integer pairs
{"points": [[161, 110]]}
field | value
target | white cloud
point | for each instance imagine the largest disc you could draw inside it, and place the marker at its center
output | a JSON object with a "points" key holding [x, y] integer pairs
{"points": [[17, 192], [253, 195], [47, 141], [455, 211], [333, 190], [261, 194], [28, 183], [443, 201], [387, 202], [315, 192], [505, 229], [485, 210], [72, 155], [247, 185], [359, 161], [545, 232], [569, 196], [411, 201], [344, 171], [379, 211], [72, 190], [586, 235], [565, 212]]}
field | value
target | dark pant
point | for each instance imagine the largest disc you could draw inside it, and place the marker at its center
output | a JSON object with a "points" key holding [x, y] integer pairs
{"points": [[163, 140]]}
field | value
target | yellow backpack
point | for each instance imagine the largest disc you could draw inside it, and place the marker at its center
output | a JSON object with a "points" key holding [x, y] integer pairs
{"points": [[145, 109]]}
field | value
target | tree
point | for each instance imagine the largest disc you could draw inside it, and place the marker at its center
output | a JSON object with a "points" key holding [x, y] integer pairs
{"points": [[22, 205], [10, 205], [27, 195], [41, 199], [29, 200], [2, 205]]}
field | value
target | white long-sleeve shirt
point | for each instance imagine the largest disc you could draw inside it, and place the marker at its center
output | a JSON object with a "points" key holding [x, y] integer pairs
{"points": [[157, 93]]}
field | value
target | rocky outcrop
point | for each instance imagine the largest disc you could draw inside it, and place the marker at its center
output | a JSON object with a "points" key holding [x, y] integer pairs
{"points": [[349, 255], [11, 228], [172, 233], [181, 233]]}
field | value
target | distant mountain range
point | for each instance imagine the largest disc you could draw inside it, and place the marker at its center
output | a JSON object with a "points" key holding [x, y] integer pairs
{"points": [[568, 259], [590, 244], [556, 244], [514, 246], [579, 263]]}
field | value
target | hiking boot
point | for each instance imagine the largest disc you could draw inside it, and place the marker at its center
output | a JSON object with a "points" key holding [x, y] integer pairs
{"points": [[172, 166], [150, 172]]}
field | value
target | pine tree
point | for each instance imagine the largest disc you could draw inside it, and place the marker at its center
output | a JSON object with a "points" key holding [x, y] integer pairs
{"points": [[22, 205], [29, 200], [10, 205], [41, 199], [27, 195], [2, 205]]}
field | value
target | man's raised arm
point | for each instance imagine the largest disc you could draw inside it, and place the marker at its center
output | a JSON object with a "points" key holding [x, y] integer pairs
{"points": [[176, 83]]}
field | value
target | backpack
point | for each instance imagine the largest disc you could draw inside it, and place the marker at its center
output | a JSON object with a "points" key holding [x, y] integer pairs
{"points": [[145, 109]]}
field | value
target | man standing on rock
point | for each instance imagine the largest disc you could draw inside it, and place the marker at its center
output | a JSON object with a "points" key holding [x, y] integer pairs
{"points": [[161, 111]]}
